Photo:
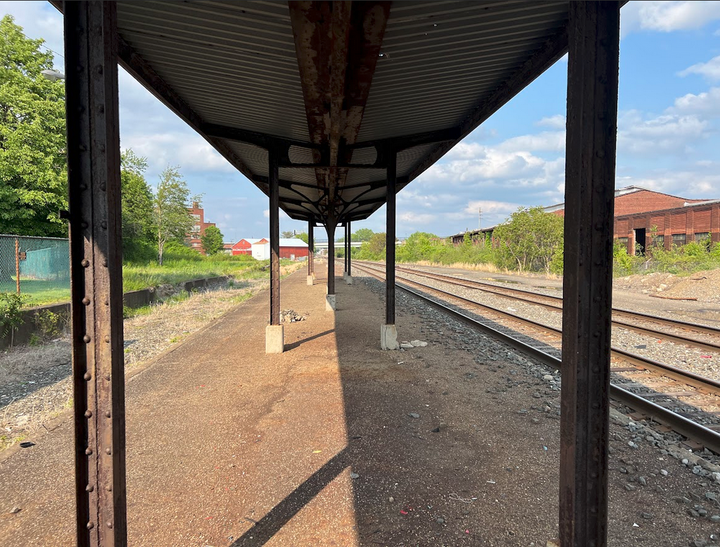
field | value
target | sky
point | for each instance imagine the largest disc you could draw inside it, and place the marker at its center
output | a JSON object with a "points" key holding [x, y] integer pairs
{"points": [[668, 138]]}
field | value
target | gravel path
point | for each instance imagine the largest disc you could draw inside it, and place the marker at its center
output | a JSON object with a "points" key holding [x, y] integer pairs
{"points": [[35, 382]]}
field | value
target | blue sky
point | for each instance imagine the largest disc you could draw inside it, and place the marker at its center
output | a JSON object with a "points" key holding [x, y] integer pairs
{"points": [[668, 139]]}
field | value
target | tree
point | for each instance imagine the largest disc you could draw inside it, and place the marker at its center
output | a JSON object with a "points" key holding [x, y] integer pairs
{"points": [[288, 234], [172, 219], [363, 234], [529, 240], [303, 236], [33, 175], [138, 223], [212, 240]]}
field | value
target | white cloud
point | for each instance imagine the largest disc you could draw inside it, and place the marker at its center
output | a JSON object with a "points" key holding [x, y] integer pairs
{"points": [[554, 122], [710, 70], [668, 133], [187, 150], [416, 218], [668, 16], [553, 141], [490, 207], [706, 104]]}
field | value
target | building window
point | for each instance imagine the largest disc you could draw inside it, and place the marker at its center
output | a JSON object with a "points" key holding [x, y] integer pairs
{"points": [[622, 241], [658, 241], [702, 237], [678, 239]]}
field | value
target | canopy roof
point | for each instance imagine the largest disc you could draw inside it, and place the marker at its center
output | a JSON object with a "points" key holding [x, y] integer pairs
{"points": [[337, 88]]}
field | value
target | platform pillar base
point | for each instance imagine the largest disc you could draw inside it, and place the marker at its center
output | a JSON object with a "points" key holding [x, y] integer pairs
{"points": [[330, 302], [274, 339], [349, 280], [388, 337], [310, 280]]}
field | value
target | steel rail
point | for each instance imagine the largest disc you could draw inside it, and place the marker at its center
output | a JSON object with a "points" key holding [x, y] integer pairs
{"points": [[468, 283], [644, 316], [688, 428]]}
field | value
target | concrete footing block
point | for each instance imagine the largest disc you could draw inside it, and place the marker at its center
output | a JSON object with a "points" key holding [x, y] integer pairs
{"points": [[274, 339], [348, 280], [330, 302], [310, 280], [388, 337]]}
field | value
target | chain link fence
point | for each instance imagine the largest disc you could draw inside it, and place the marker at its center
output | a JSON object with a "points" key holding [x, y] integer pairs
{"points": [[34, 266]]}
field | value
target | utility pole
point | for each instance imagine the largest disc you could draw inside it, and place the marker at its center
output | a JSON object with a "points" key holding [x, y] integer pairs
{"points": [[479, 218]]}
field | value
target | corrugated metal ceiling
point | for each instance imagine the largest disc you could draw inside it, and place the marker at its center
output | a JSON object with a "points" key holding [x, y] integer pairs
{"points": [[235, 65]]}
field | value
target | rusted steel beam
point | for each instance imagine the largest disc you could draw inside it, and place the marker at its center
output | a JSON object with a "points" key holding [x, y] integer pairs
{"points": [[330, 228], [311, 247], [96, 272], [390, 218], [408, 141], [262, 140], [349, 247], [274, 215], [594, 30], [337, 46]]}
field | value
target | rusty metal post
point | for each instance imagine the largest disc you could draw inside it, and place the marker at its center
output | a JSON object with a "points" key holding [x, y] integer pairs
{"points": [[348, 237], [594, 34], [345, 248], [96, 272], [274, 184], [311, 248], [330, 227], [390, 239], [17, 265]]}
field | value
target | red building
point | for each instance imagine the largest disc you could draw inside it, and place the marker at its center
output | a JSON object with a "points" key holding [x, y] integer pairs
{"points": [[244, 246], [644, 218], [198, 229]]}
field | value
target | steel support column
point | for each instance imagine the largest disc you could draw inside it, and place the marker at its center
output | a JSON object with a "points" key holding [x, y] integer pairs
{"points": [[348, 237], [589, 196], [345, 248], [330, 227], [390, 239], [274, 187], [96, 272], [311, 248]]}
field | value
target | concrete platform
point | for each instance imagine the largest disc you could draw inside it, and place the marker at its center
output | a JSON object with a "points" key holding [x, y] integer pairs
{"points": [[334, 441]]}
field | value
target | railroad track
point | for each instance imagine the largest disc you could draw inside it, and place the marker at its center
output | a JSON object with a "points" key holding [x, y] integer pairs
{"points": [[554, 303], [672, 396]]}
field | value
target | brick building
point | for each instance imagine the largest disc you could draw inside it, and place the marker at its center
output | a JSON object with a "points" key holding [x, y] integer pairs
{"points": [[198, 229], [644, 218]]}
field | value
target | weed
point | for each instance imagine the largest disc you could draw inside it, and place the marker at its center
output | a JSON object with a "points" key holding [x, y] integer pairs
{"points": [[10, 314], [50, 324]]}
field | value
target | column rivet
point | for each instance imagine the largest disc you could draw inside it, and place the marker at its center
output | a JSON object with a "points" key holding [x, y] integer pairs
{"points": [[86, 339], [84, 262]]}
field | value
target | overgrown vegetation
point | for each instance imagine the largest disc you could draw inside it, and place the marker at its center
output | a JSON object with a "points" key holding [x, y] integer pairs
{"points": [[532, 241], [683, 260], [10, 314]]}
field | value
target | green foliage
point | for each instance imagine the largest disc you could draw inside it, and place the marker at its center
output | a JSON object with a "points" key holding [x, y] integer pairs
{"points": [[212, 240], [288, 234], [302, 236], [33, 178], [373, 249], [363, 234], [172, 218], [528, 240], [50, 324], [10, 313], [138, 222], [176, 250]]}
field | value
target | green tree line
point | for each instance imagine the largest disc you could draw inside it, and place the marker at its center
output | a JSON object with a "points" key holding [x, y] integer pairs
{"points": [[33, 166]]}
